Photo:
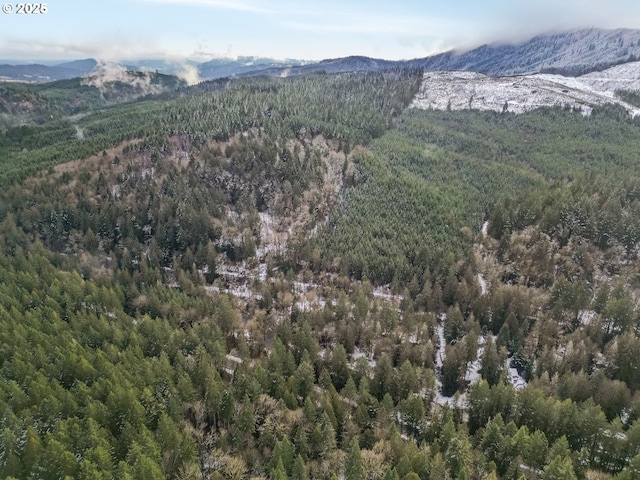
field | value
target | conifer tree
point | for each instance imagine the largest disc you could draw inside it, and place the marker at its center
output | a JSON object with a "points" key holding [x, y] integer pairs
{"points": [[354, 468]]}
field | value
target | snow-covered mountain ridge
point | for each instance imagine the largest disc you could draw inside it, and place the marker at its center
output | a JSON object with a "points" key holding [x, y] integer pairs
{"points": [[570, 53], [459, 90]]}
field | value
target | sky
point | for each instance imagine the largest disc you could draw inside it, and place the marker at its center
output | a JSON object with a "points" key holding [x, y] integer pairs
{"points": [[304, 29]]}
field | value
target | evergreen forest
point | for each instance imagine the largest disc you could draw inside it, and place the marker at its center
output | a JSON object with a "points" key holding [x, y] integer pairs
{"points": [[307, 278]]}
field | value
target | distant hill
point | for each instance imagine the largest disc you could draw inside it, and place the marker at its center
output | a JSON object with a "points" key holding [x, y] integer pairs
{"points": [[333, 65], [22, 103], [210, 70], [571, 53], [226, 67], [79, 67], [46, 73]]}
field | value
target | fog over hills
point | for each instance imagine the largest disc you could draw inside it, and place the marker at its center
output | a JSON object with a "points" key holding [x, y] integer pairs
{"points": [[568, 53], [189, 70], [571, 53]]}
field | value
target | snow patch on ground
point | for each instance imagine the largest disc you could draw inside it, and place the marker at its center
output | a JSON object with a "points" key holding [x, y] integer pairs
{"points": [[269, 242], [472, 374], [483, 284], [262, 272], [442, 342], [625, 76], [585, 316], [313, 304], [383, 292], [357, 353], [309, 296], [238, 277], [514, 377], [519, 94], [440, 398], [301, 287]]}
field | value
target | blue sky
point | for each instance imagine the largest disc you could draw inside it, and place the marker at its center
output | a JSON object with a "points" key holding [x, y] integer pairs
{"points": [[311, 29]]}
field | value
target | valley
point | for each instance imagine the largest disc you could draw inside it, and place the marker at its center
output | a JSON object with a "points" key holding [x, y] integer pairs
{"points": [[388, 274]]}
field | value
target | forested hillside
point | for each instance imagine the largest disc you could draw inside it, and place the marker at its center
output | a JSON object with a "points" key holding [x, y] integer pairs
{"points": [[22, 104], [301, 278]]}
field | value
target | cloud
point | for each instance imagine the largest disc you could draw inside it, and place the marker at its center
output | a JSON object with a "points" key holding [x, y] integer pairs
{"points": [[106, 73], [25, 48], [520, 20], [377, 24], [20, 48], [219, 4], [312, 29], [190, 74]]}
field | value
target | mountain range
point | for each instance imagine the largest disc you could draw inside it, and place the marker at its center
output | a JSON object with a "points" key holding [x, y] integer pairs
{"points": [[212, 69], [570, 53]]}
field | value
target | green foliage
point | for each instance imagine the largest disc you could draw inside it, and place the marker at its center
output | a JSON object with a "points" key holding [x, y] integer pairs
{"points": [[117, 363], [559, 469], [353, 468], [79, 381], [436, 172], [492, 362], [630, 96], [360, 107], [458, 457]]}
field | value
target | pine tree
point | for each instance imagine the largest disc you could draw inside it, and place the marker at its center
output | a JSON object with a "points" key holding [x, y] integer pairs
{"points": [[304, 378], [354, 468], [279, 472], [299, 471], [339, 367], [560, 468], [492, 362], [32, 450], [458, 457], [391, 474]]}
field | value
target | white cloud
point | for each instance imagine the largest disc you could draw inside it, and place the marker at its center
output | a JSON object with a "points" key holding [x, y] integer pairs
{"points": [[524, 19], [312, 29], [220, 4], [132, 48], [377, 24], [189, 73]]}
